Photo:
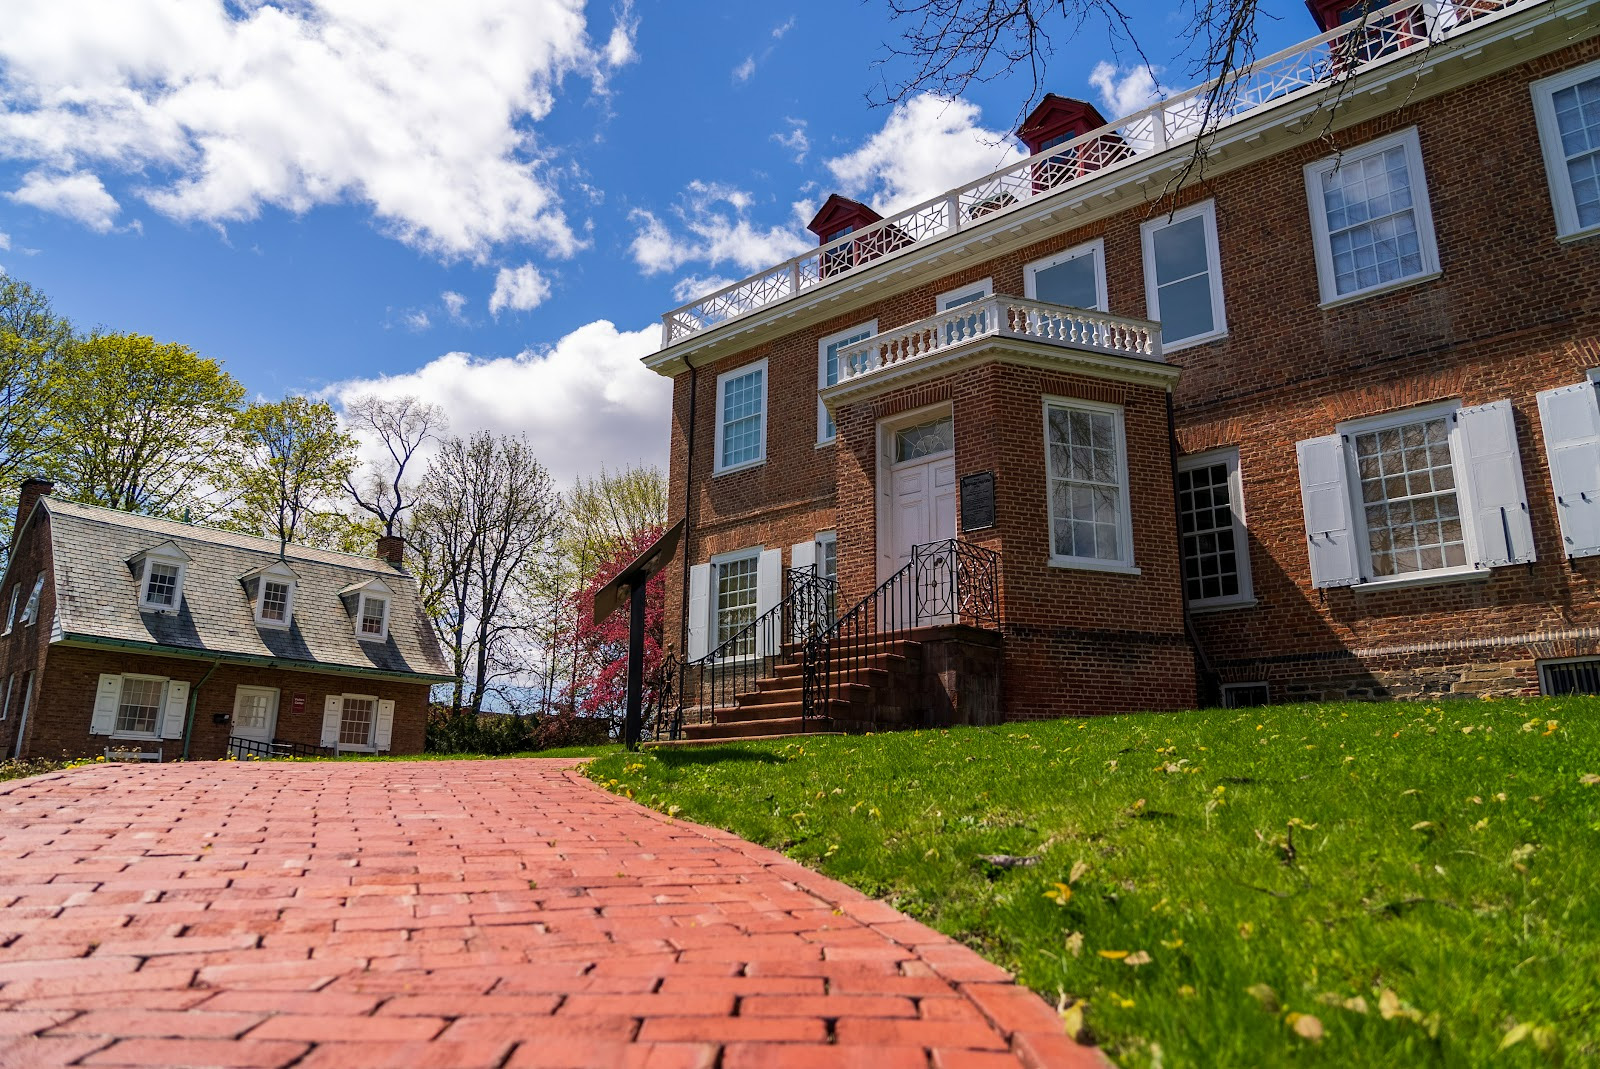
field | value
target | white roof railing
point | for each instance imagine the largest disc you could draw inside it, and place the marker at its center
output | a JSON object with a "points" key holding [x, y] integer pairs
{"points": [[1311, 65]]}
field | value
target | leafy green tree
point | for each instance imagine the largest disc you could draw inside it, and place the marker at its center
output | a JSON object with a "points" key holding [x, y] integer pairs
{"points": [[32, 337], [293, 461], [144, 426]]}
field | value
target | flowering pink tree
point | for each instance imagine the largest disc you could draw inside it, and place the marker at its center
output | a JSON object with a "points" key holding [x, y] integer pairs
{"points": [[604, 692]]}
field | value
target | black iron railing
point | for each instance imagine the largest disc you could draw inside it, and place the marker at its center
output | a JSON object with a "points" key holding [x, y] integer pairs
{"points": [[245, 749], [948, 582], [741, 660]]}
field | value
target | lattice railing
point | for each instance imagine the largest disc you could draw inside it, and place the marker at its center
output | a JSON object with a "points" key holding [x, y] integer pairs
{"points": [[1311, 65]]}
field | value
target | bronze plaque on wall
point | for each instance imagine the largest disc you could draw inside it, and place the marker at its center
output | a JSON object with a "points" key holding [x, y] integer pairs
{"points": [[977, 501]]}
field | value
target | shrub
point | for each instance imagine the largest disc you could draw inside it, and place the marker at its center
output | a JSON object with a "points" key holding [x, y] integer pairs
{"points": [[493, 734]]}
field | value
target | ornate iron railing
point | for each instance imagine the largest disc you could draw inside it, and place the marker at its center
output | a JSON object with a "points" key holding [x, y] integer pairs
{"points": [[1310, 66], [747, 656], [245, 749], [948, 582]]}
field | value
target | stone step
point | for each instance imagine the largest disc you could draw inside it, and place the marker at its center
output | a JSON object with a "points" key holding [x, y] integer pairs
{"points": [[764, 702], [767, 726]]}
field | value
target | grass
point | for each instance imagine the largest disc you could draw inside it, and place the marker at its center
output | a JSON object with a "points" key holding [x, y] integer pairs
{"points": [[1346, 884]]}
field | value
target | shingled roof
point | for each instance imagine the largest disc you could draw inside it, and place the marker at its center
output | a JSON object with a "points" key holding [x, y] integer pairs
{"points": [[97, 596]]}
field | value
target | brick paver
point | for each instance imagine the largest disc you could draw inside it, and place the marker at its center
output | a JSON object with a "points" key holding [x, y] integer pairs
{"points": [[455, 914]]}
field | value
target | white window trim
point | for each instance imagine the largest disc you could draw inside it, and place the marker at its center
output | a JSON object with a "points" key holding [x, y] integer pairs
{"points": [[826, 538], [361, 610], [1420, 207], [371, 745], [1124, 565], [972, 291], [823, 437], [1358, 513], [161, 708], [1544, 664], [1095, 248], [30, 611], [761, 454], [171, 560], [1555, 161], [1207, 210], [11, 615], [288, 609], [5, 709], [1246, 597], [714, 601]]}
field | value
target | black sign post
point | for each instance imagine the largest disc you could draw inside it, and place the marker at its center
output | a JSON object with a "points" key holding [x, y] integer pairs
{"points": [[629, 586]]}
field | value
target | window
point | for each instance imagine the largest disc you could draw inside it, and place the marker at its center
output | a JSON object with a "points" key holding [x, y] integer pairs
{"points": [[11, 613], [924, 439], [1567, 108], [828, 370], [1370, 222], [1183, 275], [735, 581], [139, 708], [1577, 676], [1245, 695], [1087, 479], [5, 708], [1075, 278], [1407, 487], [30, 613], [273, 607], [741, 417], [372, 620], [356, 720], [1216, 555], [828, 568], [973, 325]]}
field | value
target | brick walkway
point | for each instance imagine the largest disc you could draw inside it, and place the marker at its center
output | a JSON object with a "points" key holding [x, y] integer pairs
{"points": [[455, 914]]}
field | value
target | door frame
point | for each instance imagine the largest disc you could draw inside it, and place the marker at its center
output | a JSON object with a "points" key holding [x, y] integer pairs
{"points": [[277, 707], [884, 524]]}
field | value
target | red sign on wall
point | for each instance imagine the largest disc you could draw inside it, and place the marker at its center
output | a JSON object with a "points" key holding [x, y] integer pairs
{"points": [[299, 703]]}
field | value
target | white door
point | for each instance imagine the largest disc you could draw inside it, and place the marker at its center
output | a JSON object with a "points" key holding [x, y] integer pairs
{"points": [[922, 506], [255, 713]]}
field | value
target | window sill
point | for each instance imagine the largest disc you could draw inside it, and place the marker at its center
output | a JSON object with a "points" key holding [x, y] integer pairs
{"points": [[1201, 608], [269, 625], [371, 638], [746, 466], [1108, 567], [823, 443], [1190, 343], [1456, 575], [1387, 287], [125, 736], [1579, 235]]}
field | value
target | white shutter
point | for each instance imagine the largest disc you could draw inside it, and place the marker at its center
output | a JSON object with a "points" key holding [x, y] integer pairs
{"points": [[1325, 499], [106, 697], [803, 555], [383, 729], [1494, 481], [176, 711], [769, 591], [1571, 418], [699, 610], [332, 713]]}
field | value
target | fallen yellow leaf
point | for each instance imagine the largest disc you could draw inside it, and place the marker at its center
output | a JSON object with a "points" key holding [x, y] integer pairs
{"points": [[1114, 955]]}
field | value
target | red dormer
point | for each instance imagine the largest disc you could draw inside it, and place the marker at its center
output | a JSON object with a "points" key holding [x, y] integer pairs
{"points": [[1058, 119], [840, 216]]}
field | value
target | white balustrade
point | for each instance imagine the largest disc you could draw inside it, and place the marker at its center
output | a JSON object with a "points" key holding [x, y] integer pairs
{"points": [[1314, 64], [1001, 316]]}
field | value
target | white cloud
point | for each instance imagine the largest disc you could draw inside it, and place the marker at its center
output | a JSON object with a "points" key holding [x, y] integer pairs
{"points": [[79, 196], [795, 139], [454, 303], [584, 402], [1125, 92], [689, 287], [926, 146], [717, 229], [424, 114], [779, 30], [743, 71], [5, 241], [416, 321], [519, 289]]}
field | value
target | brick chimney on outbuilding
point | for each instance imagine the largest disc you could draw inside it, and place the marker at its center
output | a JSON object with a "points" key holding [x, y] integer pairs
{"points": [[392, 549], [27, 497]]}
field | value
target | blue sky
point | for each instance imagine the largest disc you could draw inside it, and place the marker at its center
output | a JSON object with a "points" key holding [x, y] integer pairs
{"points": [[487, 202]]}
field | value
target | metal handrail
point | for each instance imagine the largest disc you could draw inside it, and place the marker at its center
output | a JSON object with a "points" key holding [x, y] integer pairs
{"points": [[945, 582], [244, 749]]}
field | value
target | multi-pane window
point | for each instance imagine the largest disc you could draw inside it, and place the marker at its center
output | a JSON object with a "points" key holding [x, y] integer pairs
{"points": [[1183, 275], [161, 584], [139, 708], [253, 710], [736, 603], [11, 613], [1216, 559], [1568, 110], [275, 602], [1369, 214], [925, 439], [356, 719], [828, 371], [828, 568], [1087, 483], [1075, 278], [1408, 498], [374, 616], [741, 416]]}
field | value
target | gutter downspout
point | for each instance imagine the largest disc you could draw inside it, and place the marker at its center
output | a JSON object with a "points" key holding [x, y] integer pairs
{"points": [[688, 500], [194, 701], [1212, 679]]}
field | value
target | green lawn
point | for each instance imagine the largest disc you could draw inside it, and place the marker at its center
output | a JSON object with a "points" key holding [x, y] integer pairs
{"points": [[1358, 884], [598, 750]]}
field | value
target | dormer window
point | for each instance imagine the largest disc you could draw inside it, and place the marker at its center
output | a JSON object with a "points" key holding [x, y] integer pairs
{"points": [[271, 589], [274, 602], [160, 571], [373, 621]]}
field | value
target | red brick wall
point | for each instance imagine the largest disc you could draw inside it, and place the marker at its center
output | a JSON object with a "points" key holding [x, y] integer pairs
{"points": [[25, 648], [1514, 312]]}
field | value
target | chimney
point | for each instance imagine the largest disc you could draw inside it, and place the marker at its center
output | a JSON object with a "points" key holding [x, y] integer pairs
{"points": [[27, 497], [392, 549]]}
